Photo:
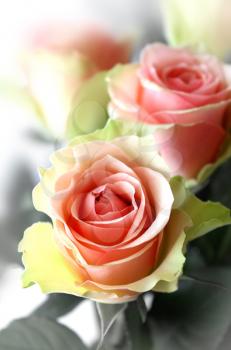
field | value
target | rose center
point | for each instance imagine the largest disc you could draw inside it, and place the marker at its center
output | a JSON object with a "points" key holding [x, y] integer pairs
{"points": [[183, 78], [107, 201]]}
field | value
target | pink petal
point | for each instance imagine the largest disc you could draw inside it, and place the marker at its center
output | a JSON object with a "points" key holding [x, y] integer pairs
{"points": [[186, 149], [160, 197], [127, 270], [213, 114]]}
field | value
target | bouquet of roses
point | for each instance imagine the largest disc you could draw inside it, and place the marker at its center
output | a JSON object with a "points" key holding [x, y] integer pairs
{"points": [[139, 174]]}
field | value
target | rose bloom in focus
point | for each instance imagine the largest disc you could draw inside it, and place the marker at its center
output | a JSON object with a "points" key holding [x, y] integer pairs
{"points": [[59, 58], [184, 98], [120, 225]]}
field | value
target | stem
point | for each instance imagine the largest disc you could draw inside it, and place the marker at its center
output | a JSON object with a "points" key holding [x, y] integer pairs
{"points": [[138, 331]]}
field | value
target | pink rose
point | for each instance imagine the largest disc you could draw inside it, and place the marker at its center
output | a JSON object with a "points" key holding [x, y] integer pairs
{"points": [[89, 40], [186, 95], [59, 58], [114, 222], [120, 225]]}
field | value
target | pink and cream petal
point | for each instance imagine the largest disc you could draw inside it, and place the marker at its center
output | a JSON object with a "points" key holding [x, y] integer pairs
{"points": [[123, 86], [171, 260]]}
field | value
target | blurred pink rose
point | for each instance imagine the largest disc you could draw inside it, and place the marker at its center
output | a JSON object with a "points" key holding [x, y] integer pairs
{"points": [[88, 40], [59, 57], [187, 94]]}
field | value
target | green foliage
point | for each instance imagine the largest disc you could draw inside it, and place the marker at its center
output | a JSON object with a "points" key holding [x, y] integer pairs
{"points": [[57, 305], [195, 317], [35, 333]]}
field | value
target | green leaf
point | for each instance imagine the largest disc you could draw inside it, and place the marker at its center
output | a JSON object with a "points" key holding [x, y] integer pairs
{"points": [[108, 313], [219, 188], [89, 111], [57, 305], [195, 317], [35, 333], [224, 248], [206, 216], [216, 247]]}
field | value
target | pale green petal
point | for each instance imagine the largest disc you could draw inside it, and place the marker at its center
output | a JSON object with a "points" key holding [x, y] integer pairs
{"points": [[188, 25], [118, 128], [44, 264], [140, 149], [179, 191], [54, 78], [166, 287], [89, 107], [206, 216], [40, 200], [112, 130], [171, 260]]}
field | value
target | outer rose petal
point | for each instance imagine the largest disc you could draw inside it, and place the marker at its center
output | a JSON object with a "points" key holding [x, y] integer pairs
{"points": [[45, 264], [212, 114], [137, 149], [155, 98], [181, 146], [53, 80], [170, 264], [128, 270]]}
